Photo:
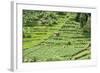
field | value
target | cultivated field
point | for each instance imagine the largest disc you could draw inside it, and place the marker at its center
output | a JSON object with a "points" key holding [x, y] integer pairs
{"points": [[64, 39]]}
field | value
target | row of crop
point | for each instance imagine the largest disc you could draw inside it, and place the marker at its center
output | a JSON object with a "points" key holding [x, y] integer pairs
{"points": [[75, 56]]}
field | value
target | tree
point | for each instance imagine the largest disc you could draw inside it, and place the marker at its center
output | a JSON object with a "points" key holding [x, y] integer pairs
{"points": [[85, 21]]}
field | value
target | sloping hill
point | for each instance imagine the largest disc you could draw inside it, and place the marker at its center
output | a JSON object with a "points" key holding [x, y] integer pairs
{"points": [[64, 41]]}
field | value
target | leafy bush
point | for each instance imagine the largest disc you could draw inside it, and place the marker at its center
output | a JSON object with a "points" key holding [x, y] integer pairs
{"points": [[26, 35]]}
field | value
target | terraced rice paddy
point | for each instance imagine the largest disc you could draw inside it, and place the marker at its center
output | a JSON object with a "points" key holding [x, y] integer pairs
{"points": [[61, 42]]}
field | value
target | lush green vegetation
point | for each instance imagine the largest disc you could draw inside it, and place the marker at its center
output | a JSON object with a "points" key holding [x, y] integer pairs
{"points": [[56, 36]]}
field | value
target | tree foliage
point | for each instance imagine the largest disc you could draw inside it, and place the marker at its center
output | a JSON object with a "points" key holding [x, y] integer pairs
{"points": [[85, 21], [33, 18]]}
